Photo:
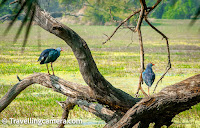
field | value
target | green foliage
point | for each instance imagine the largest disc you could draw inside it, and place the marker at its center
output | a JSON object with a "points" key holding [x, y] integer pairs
{"points": [[99, 12], [50, 5], [6, 9], [181, 9], [72, 5]]}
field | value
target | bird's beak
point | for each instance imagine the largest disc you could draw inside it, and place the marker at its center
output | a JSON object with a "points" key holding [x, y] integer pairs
{"points": [[62, 49], [153, 64]]}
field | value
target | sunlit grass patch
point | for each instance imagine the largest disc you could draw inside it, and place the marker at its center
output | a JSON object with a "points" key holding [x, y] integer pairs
{"points": [[118, 60]]}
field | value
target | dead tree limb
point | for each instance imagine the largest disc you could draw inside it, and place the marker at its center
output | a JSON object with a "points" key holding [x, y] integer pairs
{"points": [[124, 21], [163, 106], [169, 102], [57, 84], [153, 7], [105, 93], [144, 11], [77, 95], [138, 29], [97, 109], [66, 106], [168, 52]]}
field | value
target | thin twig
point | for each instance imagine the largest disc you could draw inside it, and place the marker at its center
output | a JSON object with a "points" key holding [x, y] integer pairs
{"points": [[168, 51], [125, 20], [131, 40], [141, 17], [18, 78], [154, 6], [143, 5], [16, 1], [147, 11], [121, 25], [130, 28]]}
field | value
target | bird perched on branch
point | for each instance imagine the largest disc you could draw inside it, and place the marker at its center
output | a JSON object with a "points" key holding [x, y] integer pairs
{"points": [[148, 75], [49, 56]]}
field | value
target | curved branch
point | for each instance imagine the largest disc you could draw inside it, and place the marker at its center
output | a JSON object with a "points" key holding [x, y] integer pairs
{"points": [[104, 91], [57, 84], [66, 106], [168, 102], [168, 52], [77, 95]]}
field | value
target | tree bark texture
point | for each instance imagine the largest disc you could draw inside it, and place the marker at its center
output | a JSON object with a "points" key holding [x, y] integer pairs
{"points": [[114, 106], [159, 108], [163, 106], [105, 93]]}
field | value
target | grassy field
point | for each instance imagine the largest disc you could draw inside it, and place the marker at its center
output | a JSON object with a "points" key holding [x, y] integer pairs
{"points": [[118, 61]]}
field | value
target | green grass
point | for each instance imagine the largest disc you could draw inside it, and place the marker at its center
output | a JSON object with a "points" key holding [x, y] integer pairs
{"points": [[118, 60]]}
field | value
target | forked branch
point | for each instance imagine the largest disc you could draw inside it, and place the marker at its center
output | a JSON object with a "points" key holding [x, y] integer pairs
{"points": [[138, 29], [105, 93], [66, 106], [124, 21], [144, 11], [94, 108]]}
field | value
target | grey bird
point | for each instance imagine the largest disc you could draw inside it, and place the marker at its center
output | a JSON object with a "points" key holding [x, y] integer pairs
{"points": [[148, 75], [49, 56]]}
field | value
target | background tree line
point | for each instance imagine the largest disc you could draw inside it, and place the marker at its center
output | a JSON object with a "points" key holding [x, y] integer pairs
{"points": [[97, 11]]}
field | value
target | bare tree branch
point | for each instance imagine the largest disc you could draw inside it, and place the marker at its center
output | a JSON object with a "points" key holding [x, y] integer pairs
{"points": [[163, 106], [104, 91], [67, 106], [153, 7], [100, 89], [125, 20], [57, 84], [168, 52], [143, 8], [113, 105], [97, 109]]}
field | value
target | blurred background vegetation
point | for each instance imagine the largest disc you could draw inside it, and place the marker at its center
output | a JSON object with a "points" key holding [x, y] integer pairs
{"points": [[97, 11], [118, 60]]}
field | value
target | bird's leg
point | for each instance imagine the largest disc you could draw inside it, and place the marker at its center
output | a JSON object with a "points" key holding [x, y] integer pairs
{"points": [[48, 69], [52, 68], [148, 91]]}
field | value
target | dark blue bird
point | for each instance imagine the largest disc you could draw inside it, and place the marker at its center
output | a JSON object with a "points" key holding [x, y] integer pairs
{"points": [[49, 56], [148, 75]]}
